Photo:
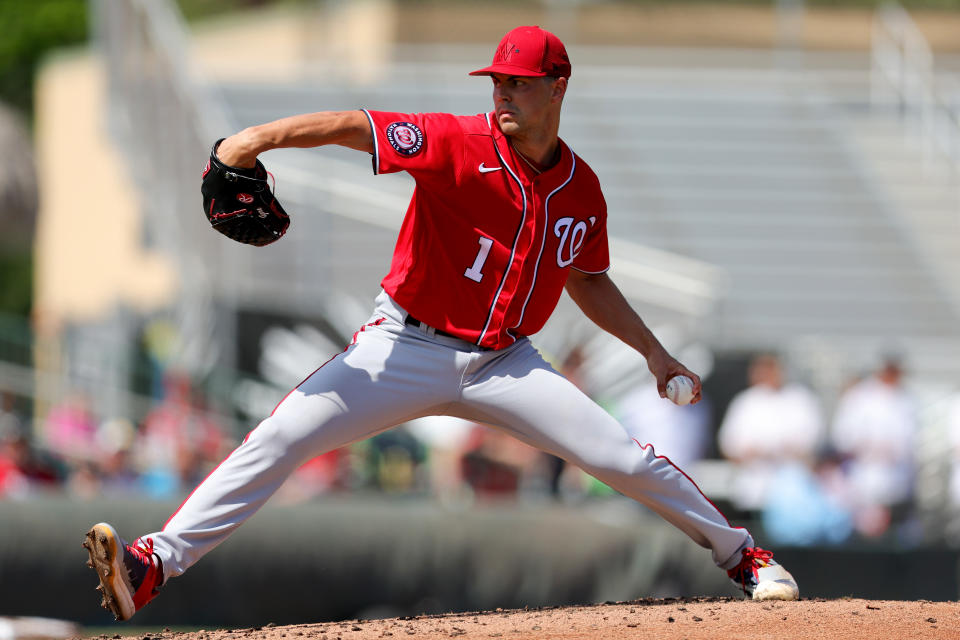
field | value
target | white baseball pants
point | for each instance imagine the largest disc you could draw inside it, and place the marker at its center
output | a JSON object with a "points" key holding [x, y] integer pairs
{"points": [[392, 373]]}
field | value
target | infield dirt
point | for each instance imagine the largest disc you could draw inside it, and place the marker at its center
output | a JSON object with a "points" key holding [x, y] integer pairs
{"points": [[691, 619]]}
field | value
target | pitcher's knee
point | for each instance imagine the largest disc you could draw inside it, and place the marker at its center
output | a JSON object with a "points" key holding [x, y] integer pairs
{"points": [[271, 442], [624, 458]]}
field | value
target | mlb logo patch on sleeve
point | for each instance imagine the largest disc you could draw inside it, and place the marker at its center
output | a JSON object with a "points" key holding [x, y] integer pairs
{"points": [[405, 137]]}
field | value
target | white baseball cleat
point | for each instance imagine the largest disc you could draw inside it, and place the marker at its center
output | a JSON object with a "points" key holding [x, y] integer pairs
{"points": [[761, 578]]}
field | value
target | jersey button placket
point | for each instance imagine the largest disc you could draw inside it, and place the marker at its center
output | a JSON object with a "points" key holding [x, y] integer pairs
{"points": [[512, 277], [529, 233]]}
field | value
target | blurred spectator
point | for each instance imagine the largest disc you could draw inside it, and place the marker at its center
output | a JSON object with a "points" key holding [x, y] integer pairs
{"points": [[874, 429], [22, 469], [13, 482], [204, 445], [496, 465], [803, 511], [114, 441], [160, 440], [10, 421], [395, 460], [84, 481], [680, 433], [178, 444], [160, 338], [554, 467], [446, 438], [327, 472], [766, 426], [69, 431], [953, 436]]}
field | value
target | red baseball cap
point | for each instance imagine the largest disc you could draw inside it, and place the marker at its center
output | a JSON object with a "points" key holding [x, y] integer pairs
{"points": [[529, 51]]}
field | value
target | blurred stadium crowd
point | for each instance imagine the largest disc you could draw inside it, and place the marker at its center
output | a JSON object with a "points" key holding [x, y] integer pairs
{"points": [[809, 477]]}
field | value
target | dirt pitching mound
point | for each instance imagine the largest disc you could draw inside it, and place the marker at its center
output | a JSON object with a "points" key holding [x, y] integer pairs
{"points": [[691, 619]]}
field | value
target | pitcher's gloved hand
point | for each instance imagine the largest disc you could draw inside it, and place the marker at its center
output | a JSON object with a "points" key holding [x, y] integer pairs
{"points": [[240, 204]]}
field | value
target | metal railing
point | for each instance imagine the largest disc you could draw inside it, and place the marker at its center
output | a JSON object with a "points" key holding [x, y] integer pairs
{"points": [[903, 78], [164, 115]]}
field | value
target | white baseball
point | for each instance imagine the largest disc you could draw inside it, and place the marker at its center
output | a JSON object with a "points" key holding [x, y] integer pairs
{"points": [[680, 389]]}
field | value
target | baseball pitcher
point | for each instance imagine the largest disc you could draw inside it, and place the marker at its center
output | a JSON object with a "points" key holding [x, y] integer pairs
{"points": [[504, 217]]}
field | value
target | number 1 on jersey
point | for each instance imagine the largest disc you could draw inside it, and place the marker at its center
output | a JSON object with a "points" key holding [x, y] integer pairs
{"points": [[475, 272]]}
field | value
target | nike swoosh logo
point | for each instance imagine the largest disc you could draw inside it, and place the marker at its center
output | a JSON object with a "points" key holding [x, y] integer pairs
{"points": [[484, 169]]}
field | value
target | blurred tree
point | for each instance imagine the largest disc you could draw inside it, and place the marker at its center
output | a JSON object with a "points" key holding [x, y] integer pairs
{"points": [[30, 30], [18, 213], [198, 9], [16, 278]]}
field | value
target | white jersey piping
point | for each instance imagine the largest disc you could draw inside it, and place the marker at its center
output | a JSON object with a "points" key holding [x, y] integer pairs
{"points": [[591, 273], [376, 146], [543, 241], [516, 239]]}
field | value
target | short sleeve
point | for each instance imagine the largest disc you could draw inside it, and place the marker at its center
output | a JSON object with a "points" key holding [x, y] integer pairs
{"points": [[594, 256], [419, 143]]}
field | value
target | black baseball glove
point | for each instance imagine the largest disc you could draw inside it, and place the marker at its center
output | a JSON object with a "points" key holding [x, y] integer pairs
{"points": [[239, 203]]}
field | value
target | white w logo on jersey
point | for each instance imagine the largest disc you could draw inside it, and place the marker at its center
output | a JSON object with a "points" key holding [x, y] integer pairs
{"points": [[571, 240]]}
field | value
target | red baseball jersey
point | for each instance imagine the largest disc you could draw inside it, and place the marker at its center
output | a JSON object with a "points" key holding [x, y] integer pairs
{"points": [[486, 244]]}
